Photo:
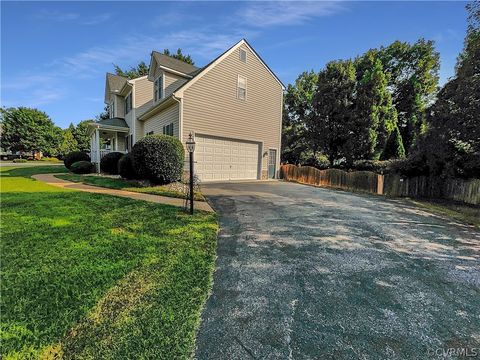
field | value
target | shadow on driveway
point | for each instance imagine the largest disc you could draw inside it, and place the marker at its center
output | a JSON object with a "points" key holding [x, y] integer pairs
{"points": [[312, 273]]}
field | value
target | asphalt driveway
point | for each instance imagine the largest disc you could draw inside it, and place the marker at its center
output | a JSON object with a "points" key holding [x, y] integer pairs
{"points": [[311, 273]]}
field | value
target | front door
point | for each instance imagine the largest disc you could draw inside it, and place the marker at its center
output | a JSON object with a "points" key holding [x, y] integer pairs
{"points": [[272, 163]]}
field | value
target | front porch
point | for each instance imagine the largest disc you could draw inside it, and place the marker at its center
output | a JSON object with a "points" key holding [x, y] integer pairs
{"points": [[107, 136]]}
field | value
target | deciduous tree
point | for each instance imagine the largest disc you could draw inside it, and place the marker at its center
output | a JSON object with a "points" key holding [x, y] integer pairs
{"points": [[27, 129]]}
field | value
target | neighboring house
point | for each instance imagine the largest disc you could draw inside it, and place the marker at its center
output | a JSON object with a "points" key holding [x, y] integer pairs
{"points": [[233, 106]]}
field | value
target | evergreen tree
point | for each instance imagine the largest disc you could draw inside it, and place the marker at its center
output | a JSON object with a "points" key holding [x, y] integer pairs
{"points": [[394, 147], [179, 56], [452, 144], [333, 122], [374, 115], [298, 108]]}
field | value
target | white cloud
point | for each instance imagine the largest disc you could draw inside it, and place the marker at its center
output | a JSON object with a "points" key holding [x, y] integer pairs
{"points": [[264, 14], [97, 19], [52, 82], [58, 16], [54, 15]]}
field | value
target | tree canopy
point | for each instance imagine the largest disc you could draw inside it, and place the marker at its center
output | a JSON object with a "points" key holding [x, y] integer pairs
{"points": [[452, 145], [369, 108], [26, 129]]}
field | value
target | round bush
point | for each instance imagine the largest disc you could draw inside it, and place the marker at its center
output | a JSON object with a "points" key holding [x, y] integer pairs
{"points": [[82, 167], [126, 168], [159, 158], [109, 163], [18, 161], [75, 156]]}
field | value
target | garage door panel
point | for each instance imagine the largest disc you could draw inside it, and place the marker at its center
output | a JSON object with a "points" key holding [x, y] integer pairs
{"points": [[226, 159]]}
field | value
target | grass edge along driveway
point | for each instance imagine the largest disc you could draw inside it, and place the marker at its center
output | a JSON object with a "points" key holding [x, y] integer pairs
{"points": [[96, 276], [128, 185]]}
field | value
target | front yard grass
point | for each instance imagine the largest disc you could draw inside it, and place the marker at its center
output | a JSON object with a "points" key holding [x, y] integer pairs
{"points": [[95, 276], [129, 185]]}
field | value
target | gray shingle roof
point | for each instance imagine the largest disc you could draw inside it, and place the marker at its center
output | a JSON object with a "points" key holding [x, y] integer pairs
{"points": [[118, 122], [173, 63], [115, 82]]}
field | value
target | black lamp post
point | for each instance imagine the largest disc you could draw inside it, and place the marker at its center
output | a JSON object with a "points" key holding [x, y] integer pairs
{"points": [[191, 148]]}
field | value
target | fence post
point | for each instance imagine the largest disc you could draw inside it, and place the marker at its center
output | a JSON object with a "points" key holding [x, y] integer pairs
{"points": [[380, 182]]}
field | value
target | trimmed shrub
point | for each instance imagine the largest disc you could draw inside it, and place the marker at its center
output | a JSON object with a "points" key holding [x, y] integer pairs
{"points": [[74, 157], [126, 168], [82, 167], [159, 158], [18, 161], [109, 163]]}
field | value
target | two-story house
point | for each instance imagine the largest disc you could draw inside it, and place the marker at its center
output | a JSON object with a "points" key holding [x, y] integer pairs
{"points": [[233, 106]]}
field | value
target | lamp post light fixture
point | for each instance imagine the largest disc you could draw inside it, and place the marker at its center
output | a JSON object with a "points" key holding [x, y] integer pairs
{"points": [[191, 148]]}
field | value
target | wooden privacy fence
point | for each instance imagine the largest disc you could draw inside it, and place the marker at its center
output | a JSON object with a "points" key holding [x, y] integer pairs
{"points": [[467, 191], [364, 181]]}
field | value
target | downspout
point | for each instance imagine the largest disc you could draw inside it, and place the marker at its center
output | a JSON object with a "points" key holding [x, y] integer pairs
{"points": [[180, 116]]}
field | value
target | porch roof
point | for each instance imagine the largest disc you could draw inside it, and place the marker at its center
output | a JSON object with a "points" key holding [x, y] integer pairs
{"points": [[115, 124]]}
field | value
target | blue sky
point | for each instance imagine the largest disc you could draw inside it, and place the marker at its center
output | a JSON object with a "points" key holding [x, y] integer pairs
{"points": [[54, 55]]}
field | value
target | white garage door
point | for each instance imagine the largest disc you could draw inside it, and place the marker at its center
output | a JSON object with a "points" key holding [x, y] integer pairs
{"points": [[225, 159]]}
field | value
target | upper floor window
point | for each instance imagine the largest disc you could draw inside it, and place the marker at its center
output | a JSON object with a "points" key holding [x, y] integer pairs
{"points": [[168, 129], [243, 55], [242, 88], [128, 103], [158, 88], [111, 109]]}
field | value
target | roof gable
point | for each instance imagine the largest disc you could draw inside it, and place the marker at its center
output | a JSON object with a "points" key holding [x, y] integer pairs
{"points": [[114, 83], [169, 63], [199, 73]]}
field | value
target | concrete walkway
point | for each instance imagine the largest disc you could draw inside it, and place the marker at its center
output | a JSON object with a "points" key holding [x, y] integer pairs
{"points": [[50, 179]]}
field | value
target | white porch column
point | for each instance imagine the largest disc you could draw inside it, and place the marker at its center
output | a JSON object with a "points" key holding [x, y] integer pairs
{"points": [[116, 141], [97, 138]]}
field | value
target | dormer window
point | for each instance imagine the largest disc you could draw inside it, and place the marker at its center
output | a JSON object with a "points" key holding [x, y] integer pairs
{"points": [[128, 103], [158, 88], [243, 56]]}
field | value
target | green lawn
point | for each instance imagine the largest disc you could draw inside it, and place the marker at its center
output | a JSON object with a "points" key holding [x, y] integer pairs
{"points": [[466, 213], [96, 276], [129, 185]]}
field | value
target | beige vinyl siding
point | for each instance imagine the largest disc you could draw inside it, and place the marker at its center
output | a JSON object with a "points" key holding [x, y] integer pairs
{"points": [[172, 82], [143, 96], [165, 117], [211, 106], [119, 106], [143, 101]]}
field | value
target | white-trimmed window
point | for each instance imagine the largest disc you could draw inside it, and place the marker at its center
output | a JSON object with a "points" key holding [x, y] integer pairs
{"points": [[111, 109], [128, 103], [242, 88], [168, 129], [158, 88], [243, 55]]}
